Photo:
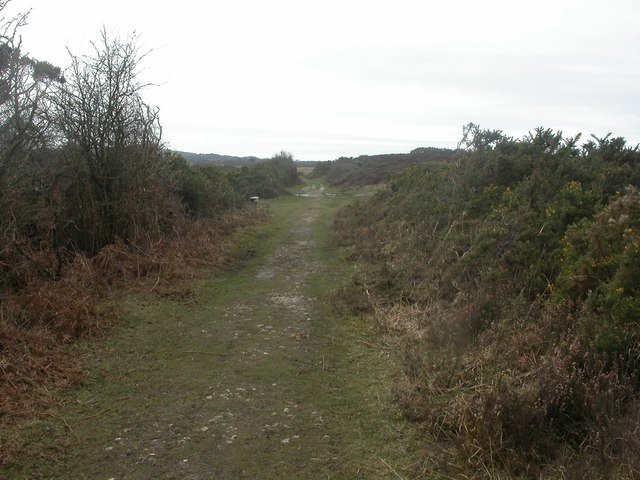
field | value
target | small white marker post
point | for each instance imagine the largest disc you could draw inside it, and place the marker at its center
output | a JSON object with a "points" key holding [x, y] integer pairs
{"points": [[254, 200]]}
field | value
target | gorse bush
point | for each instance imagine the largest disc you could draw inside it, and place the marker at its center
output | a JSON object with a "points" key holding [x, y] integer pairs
{"points": [[513, 273], [601, 272]]}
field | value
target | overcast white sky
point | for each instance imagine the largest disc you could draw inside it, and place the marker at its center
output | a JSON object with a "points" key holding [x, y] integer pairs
{"points": [[328, 78]]}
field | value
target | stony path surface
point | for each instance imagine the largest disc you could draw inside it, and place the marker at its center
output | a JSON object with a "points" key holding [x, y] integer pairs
{"points": [[248, 376]]}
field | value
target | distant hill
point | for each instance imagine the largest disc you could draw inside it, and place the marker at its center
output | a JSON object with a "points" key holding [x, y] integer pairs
{"points": [[215, 159]]}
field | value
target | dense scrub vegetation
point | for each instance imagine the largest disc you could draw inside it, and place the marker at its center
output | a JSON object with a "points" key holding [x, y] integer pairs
{"points": [[513, 278], [374, 169], [89, 198], [207, 189]]}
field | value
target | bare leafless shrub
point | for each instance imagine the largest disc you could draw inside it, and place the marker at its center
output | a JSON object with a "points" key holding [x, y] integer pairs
{"points": [[118, 182]]}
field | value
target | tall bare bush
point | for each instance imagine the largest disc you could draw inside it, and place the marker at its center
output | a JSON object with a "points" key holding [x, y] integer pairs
{"points": [[120, 187]]}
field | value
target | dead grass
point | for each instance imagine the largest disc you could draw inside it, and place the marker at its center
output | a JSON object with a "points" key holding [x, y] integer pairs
{"points": [[511, 394], [39, 320]]}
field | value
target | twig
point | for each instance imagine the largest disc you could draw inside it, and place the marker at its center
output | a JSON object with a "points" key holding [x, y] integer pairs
{"points": [[155, 285], [66, 424], [391, 468]]}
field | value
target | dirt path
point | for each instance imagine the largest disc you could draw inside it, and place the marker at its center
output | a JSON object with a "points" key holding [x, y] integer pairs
{"points": [[247, 376]]}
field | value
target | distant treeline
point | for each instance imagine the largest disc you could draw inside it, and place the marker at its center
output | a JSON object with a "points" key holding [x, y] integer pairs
{"points": [[232, 161], [513, 278], [373, 169], [221, 160]]}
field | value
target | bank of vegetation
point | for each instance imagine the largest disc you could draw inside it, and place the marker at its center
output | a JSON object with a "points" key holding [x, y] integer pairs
{"points": [[512, 278], [90, 199], [347, 172]]}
